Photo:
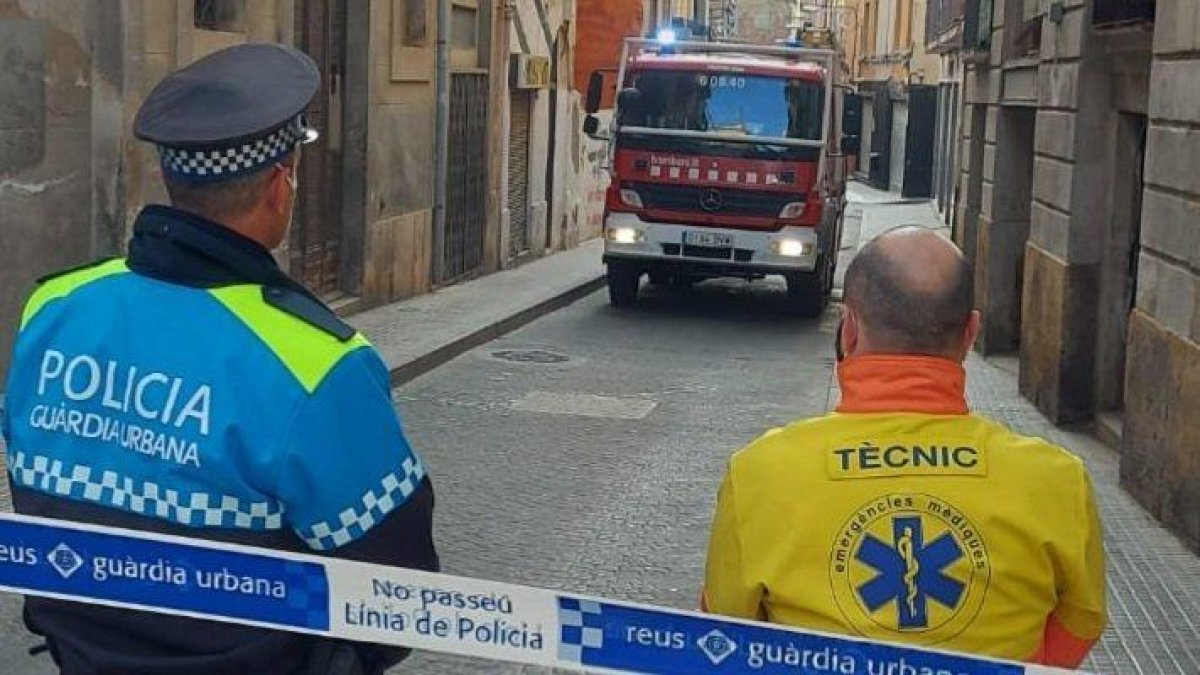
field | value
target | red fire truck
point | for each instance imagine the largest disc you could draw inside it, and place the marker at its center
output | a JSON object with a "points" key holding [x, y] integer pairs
{"points": [[725, 161]]}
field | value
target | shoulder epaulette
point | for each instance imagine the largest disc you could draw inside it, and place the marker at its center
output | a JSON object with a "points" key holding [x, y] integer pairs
{"points": [[71, 270], [307, 310]]}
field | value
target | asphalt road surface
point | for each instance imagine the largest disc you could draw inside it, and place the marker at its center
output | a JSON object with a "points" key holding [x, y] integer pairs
{"points": [[591, 462], [584, 451]]}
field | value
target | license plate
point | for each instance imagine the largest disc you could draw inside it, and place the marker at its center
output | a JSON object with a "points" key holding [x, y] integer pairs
{"points": [[708, 239]]}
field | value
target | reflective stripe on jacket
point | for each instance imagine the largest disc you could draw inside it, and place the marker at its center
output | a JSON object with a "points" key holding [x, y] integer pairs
{"points": [[194, 389]]}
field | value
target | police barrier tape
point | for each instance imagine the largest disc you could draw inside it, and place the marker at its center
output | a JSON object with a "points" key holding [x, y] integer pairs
{"points": [[436, 612]]}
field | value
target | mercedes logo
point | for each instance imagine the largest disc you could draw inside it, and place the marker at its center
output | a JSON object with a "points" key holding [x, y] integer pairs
{"points": [[712, 201]]}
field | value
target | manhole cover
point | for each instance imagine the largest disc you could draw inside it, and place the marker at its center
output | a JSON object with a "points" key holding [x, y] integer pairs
{"points": [[530, 356]]}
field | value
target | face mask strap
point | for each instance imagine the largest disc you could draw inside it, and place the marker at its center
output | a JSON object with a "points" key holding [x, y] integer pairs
{"points": [[289, 176], [837, 341]]}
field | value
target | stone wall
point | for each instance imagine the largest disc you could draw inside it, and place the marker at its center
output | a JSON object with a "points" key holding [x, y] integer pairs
{"points": [[603, 25], [71, 175], [1102, 238], [981, 120], [49, 80], [1161, 443], [762, 21], [1092, 91]]}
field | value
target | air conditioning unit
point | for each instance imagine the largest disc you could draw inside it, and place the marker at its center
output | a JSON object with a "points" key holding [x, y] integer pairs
{"points": [[529, 72]]}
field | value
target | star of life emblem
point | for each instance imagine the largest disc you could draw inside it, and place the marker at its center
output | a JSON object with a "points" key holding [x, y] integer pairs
{"points": [[912, 565]]}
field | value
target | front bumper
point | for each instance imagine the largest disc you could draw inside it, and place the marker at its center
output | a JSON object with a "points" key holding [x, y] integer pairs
{"points": [[663, 244]]}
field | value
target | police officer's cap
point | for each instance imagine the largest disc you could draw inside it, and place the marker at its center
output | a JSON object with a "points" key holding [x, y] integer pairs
{"points": [[231, 113]]}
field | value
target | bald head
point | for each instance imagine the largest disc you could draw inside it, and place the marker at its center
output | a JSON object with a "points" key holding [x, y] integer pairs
{"points": [[911, 291]]}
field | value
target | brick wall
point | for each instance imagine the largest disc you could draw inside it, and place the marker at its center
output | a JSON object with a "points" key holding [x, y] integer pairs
{"points": [[602, 25]]}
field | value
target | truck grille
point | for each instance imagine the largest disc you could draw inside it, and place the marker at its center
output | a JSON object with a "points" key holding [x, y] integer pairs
{"points": [[732, 202]]}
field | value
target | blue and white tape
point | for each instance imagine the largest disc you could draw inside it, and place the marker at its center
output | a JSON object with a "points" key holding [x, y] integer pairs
{"points": [[436, 612]]}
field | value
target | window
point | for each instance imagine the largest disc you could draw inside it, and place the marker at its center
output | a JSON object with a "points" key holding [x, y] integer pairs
{"points": [[978, 25], [904, 26], [414, 23], [729, 103], [883, 24], [411, 41], [1024, 29], [1117, 12], [464, 27], [468, 37], [226, 16], [865, 30]]}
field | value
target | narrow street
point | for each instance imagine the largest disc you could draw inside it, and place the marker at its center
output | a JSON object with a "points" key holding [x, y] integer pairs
{"points": [[583, 452], [592, 461], [485, 193]]}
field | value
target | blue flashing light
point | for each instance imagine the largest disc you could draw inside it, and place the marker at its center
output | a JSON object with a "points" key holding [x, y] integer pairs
{"points": [[666, 36]]}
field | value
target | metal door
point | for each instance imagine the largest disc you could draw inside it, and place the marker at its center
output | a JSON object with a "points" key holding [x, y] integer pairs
{"points": [[518, 174], [919, 144], [466, 189], [881, 139], [852, 124], [315, 242]]}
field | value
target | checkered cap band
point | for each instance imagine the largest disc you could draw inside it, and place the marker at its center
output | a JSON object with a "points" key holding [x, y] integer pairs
{"points": [[213, 164], [108, 488]]}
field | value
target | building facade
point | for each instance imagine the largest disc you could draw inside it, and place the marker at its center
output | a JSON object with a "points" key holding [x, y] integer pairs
{"points": [[544, 207], [1079, 200], [952, 33], [374, 222], [762, 22], [897, 83]]}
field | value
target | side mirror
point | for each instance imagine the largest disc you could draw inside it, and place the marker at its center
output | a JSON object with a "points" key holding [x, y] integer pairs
{"points": [[850, 145], [595, 92]]}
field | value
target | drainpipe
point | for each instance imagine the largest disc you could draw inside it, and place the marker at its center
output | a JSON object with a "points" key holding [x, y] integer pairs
{"points": [[441, 138]]}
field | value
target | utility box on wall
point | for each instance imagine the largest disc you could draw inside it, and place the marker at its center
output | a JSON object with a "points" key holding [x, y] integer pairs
{"points": [[529, 72]]}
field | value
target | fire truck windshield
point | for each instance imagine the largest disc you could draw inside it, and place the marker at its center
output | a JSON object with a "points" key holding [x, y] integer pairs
{"points": [[727, 103]]}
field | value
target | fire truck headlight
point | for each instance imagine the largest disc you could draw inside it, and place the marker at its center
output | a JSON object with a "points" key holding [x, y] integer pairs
{"points": [[631, 198], [626, 235], [793, 248], [793, 210]]}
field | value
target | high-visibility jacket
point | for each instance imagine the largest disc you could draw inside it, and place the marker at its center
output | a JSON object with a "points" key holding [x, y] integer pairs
{"points": [[902, 517], [194, 389]]}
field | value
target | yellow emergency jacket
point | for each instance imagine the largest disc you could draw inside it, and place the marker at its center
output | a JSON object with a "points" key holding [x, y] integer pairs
{"points": [[902, 517]]}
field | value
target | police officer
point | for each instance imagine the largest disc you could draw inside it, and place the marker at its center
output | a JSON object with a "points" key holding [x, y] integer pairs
{"points": [[903, 517], [193, 388]]}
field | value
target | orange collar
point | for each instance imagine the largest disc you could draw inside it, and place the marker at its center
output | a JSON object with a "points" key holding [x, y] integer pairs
{"points": [[902, 383]]}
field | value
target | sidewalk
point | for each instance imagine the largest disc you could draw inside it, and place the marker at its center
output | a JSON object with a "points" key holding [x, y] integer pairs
{"points": [[1153, 581], [417, 335]]}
